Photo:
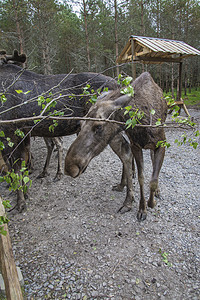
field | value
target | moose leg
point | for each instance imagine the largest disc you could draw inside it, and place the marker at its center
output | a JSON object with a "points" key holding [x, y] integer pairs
{"points": [[122, 148], [159, 154], [50, 145], [138, 154], [20, 155], [157, 191], [21, 204], [28, 156], [59, 145]]}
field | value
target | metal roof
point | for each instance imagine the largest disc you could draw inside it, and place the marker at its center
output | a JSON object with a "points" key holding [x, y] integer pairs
{"points": [[155, 50]]}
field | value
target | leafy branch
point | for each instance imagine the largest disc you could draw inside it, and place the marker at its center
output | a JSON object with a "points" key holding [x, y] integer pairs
{"points": [[18, 181]]}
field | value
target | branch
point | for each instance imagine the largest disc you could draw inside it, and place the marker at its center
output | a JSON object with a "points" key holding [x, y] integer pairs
{"points": [[50, 117]]}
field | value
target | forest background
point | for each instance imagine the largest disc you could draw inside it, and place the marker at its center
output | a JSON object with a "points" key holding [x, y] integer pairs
{"points": [[88, 35]]}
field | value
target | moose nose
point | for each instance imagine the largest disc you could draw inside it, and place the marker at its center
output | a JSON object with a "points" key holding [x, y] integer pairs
{"points": [[72, 171]]}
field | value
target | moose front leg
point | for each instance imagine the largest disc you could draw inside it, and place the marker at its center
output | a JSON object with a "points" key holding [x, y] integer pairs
{"points": [[121, 147], [50, 145], [127, 205], [21, 204], [138, 154], [59, 145], [159, 154]]}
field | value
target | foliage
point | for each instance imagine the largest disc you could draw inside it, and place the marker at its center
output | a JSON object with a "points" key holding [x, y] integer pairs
{"points": [[47, 104], [192, 97], [135, 116], [15, 181], [18, 181], [87, 91], [127, 88], [4, 219], [165, 258]]}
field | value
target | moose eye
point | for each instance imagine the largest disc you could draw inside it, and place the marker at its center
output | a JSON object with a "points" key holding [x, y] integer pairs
{"points": [[98, 129]]}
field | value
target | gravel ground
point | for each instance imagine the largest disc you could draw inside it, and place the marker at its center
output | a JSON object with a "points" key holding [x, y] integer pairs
{"points": [[71, 243]]}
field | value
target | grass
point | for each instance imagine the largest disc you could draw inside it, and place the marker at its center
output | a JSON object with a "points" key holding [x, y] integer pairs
{"points": [[191, 99]]}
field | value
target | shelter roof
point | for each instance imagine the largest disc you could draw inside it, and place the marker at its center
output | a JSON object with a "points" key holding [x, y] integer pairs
{"points": [[155, 50]]}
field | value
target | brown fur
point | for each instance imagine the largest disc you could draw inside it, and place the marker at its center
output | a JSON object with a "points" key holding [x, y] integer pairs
{"points": [[95, 135]]}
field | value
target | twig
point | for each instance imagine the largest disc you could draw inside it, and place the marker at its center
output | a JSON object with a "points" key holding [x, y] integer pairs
{"points": [[115, 267]]}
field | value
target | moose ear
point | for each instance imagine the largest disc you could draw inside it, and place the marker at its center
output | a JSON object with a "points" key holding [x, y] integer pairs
{"points": [[122, 101], [104, 94]]}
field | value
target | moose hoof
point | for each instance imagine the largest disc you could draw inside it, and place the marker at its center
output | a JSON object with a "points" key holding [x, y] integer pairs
{"points": [[124, 209], [118, 188], [58, 177], [42, 175], [157, 193], [151, 203], [141, 215], [21, 207]]}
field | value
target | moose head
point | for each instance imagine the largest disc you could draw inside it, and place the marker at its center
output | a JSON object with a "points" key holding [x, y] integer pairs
{"points": [[14, 58]]}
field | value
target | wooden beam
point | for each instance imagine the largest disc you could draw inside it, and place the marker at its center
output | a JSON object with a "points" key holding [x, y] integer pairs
{"points": [[158, 59], [143, 52], [148, 59], [8, 267], [132, 59]]}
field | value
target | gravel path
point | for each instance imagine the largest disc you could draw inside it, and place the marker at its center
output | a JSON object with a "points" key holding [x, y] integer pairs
{"points": [[71, 243]]}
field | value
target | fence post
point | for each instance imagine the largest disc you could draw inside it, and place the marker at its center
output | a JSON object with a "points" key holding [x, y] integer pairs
{"points": [[7, 264]]}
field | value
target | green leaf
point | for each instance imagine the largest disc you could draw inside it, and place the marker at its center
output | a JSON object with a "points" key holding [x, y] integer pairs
{"points": [[127, 80], [158, 123], [119, 78], [3, 98], [6, 203], [19, 133], [137, 281], [127, 109], [2, 134], [19, 91], [26, 179], [10, 144], [2, 145], [153, 111], [2, 231], [2, 179]]}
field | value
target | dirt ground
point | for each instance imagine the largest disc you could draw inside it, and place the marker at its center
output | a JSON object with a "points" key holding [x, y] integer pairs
{"points": [[72, 244]]}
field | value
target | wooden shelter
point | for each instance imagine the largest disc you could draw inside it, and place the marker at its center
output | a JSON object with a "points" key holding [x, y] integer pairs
{"points": [[150, 50]]}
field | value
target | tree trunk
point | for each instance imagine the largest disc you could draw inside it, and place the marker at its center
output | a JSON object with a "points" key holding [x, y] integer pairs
{"points": [[18, 28], [116, 37], [46, 57], [142, 24], [86, 35], [43, 30], [158, 18]]}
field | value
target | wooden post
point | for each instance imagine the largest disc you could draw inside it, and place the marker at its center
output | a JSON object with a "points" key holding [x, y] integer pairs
{"points": [[7, 264], [180, 82], [133, 54]]}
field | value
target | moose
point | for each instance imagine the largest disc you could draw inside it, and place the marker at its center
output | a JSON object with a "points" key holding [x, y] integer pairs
{"points": [[96, 133], [22, 88]]}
